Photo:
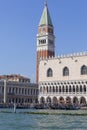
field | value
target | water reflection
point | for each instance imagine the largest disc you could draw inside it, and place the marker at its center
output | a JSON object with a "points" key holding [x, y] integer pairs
{"points": [[24, 121]]}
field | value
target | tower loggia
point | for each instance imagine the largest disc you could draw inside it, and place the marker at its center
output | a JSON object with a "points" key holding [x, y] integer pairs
{"points": [[45, 38]]}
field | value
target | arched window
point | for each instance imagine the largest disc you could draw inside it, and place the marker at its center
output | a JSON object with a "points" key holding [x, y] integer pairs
{"points": [[83, 70], [80, 88], [66, 88], [60, 89], [49, 72], [53, 89], [70, 89], [77, 88], [63, 89], [56, 88], [47, 89], [50, 89], [65, 71], [84, 88], [73, 88]]}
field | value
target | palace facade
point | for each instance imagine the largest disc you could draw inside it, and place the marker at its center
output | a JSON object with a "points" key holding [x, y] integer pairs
{"points": [[63, 78], [17, 89]]}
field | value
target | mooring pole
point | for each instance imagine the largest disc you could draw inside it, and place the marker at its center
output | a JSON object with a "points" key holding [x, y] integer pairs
{"points": [[14, 107]]}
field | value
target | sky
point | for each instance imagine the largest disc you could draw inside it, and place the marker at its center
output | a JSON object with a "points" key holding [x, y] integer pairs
{"points": [[19, 21]]}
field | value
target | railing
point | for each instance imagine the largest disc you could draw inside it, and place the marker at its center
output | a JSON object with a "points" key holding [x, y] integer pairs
{"points": [[63, 93]]}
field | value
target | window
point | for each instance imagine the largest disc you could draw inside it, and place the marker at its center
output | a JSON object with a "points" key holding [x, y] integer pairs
{"points": [[47, 89], [50, 89], [59, 88], [66, 88], [53, 89], [42, 41], [56, 88], [80, 88], [49, 72], [73, 88], [84, 88], [70, 90], [65, 71], [83, 70], [77, 88]]}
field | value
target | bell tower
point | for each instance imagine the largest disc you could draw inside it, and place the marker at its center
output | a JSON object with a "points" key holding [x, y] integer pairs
{"points": [[45, 38]]}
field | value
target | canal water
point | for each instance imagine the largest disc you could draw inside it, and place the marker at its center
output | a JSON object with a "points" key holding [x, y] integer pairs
{"points": [[23, 120]]}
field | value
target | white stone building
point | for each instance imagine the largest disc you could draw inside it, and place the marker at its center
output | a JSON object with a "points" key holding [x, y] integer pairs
{"points": [[62, 78], [17, 89]]}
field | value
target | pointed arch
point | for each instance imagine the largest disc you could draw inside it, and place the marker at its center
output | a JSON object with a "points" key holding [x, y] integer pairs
{"points": [[80, 88], [55, 101], [53, 88], [42, 100], [50, 89], [77, 88], [70, 89], [68, 100], [49, 72], [73, 88], [82, 100], [75, 100], [65, 71], [61, 100], [84, 88], [56, 88], [47, 89], [48, 100], [84, 70], [60, 89], [63, 89], [66, 89], [44, 90]]}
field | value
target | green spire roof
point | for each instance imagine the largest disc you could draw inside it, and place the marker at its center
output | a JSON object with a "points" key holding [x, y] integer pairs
{"points": [[45, 19]]}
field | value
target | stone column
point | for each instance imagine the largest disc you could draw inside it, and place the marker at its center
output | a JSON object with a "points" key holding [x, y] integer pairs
{"points": [[5, 91], [72, 100], [68, 89]]}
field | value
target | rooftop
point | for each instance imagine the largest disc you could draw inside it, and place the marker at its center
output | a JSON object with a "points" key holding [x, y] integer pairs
{"points": [[45, 18]]}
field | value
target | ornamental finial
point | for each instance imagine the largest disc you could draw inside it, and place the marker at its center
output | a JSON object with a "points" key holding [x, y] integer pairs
{"points": [[45, 2]]}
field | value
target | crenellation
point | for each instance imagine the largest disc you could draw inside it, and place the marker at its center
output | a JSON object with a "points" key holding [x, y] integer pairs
{"points": [[72, 55]]}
